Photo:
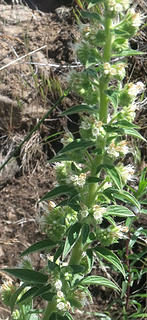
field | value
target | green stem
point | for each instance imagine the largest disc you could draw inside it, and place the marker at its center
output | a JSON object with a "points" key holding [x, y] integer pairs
{"points": [[103, 111], [76, 253], [51, 307], [103, 85]]}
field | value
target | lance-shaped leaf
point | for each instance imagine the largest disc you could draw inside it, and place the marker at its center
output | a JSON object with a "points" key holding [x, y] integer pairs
{"points": [[73, 235], [65, 189], [113, 173], [78, 109], [119, 211], [127, 53], [29, 294], [85, 233], [110, 257], [15, 296], [125, 124], [98, 280], [35, 292], [126, 197], [27, 275], [91, 16], [41, 245], [77, 144], [134, 133], [68, 316]]}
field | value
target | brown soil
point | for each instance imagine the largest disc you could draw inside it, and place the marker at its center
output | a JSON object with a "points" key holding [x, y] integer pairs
{"points": [[24, 98]]}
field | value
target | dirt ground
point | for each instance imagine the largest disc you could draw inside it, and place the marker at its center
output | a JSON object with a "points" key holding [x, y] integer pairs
{"points": [[36, 56]]}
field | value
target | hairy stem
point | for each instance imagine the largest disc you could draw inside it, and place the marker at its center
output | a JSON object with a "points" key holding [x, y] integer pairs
{"points": [[103, 85], [51, 307], [76, 253]]}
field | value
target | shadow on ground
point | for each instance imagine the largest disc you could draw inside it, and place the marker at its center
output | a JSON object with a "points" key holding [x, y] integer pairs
{"points": [[42, 5]]}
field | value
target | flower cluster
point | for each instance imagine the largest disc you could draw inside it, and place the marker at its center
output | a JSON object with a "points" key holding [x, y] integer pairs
{"points": [[7, 289], [116, 70], [111, 234], [62, 304], [98, 213], [56, 220], [90, 127], [126, 172], [136, 18], [67, 138], [119, 5], [116, 149], [77, 180]]}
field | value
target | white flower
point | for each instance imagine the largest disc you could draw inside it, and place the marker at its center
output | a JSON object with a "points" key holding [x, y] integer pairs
{"points": [[125, 3], [85, 124], [61, 305], [134, 89], [116, 149], [118, 7], [58, 285], [67, 138], [78, 180], [107, 68], [98, 129], [51, 205], [98, 213], [140, 87], [113, 71], [60, 294], [68, 306], [51, 258], [120, 67], [137, 18], [119, 231], [127, 172], [59, 165], [84, 213]]}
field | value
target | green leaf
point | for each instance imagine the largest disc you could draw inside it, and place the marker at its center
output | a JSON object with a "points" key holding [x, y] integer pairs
{"points": [[77, 269], [15, 295], [30, 293], [68, 316], [119, 211], [90, 259], [78, 109], [93, 180], [125, 124], [143, 211], [127, 53], [39, 246], [134, 133], [85, 233], [48, 296], [101, 281], [42, 290], [73, 235], [77, 144], [62, 157], [65, 189], [27, 275], [126, 197], [113, 97], [58, 252], [93, 3], [113, 173], [138, 315], [91, 16], [110, 257]]}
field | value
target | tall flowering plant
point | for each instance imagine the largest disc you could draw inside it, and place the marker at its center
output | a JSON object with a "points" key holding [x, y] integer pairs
{"points": [[90, 171]]}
